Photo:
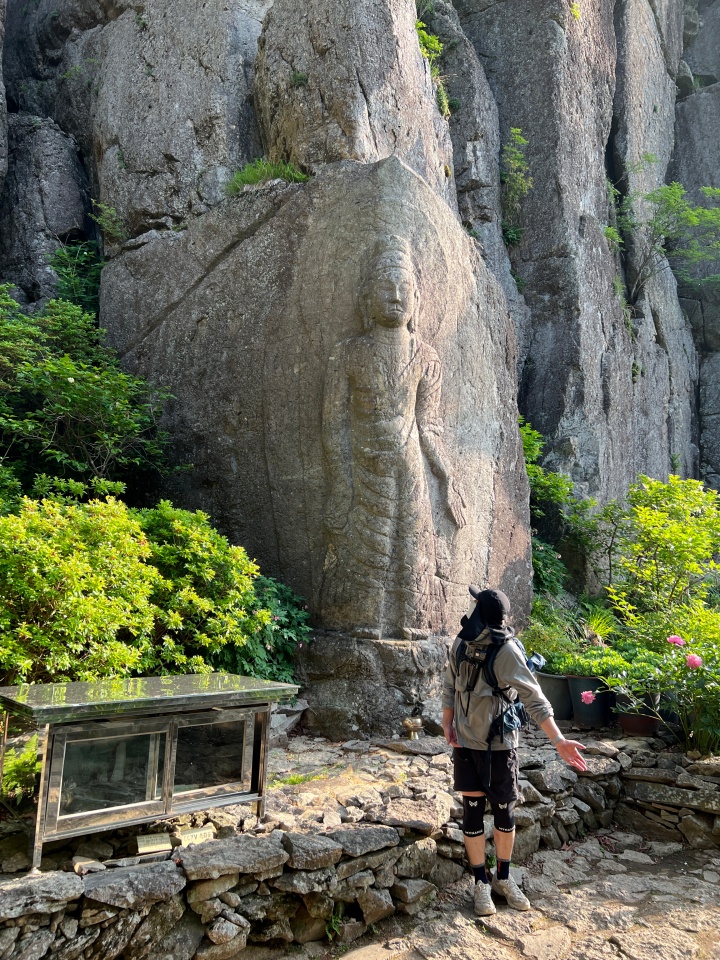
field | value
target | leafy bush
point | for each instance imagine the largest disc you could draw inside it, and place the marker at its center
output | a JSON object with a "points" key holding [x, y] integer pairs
{"points": [[262, 171], [20, 769], [65, 404], [664, 223], [515, 184], [90, 590], [431, 48], [109, 221], [270, 652], [550, 494], [656, 549], [549, 572], [78, 267]]}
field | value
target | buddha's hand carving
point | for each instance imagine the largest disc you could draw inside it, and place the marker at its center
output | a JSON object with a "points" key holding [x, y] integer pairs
{"points": [[455, 501], [337, 510]]}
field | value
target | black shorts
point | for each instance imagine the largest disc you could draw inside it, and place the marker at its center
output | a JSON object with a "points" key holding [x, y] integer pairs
{"points": [[471, 772]]}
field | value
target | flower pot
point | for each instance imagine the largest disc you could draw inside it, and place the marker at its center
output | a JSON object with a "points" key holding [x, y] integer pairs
{"points": [[556, 689], [642, 721], [638, 724], [589, 716]]}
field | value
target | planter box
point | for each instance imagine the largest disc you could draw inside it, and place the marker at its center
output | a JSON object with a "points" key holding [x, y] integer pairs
{"points": [[589, 716], [556, 689]]}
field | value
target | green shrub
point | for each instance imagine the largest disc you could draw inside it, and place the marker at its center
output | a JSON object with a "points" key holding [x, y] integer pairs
{"points": [[20, 770], [431, 48], [78, 267], [515, 184], [75, 592], [90, 590], [109, 221], [664, 223], [262, 171], [656, 549], [270, 652], [66, 407], [549, 572]]}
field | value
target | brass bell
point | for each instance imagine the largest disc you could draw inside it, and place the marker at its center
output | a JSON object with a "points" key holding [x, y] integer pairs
{"points": [[413, 725]]}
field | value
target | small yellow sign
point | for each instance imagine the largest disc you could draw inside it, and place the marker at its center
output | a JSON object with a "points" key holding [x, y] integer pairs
{"points": [[197, 835], [154, 843]]}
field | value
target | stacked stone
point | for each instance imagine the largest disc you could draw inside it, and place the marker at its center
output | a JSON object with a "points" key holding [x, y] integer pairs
{"points": [[669, 797], [284, 887]]}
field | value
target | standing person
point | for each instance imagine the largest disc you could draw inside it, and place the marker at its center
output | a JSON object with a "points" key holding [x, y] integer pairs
{"points": [[486, 762]]}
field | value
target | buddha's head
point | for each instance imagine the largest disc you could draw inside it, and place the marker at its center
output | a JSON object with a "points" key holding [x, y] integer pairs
{"points": [[389, 287]]}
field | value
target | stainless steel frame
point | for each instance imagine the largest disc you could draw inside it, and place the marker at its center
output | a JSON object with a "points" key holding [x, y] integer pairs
{"points": [[160, 801]]}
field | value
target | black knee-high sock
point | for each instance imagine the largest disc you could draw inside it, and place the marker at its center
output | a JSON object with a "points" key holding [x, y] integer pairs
{"points": [[480, 874], [503, 869]]}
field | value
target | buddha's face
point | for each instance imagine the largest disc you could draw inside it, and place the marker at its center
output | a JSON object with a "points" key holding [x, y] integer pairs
{"points": [[390, 296]]}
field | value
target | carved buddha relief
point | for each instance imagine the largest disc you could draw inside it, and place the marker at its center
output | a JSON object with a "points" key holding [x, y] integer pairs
{"points": [[382, 432]]}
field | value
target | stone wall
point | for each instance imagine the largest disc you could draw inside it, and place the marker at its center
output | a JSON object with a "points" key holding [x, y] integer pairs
{"points": [[305, 871]]}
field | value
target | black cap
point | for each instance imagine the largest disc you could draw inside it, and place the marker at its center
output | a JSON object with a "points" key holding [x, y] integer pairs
{"points": [[494, 606]]}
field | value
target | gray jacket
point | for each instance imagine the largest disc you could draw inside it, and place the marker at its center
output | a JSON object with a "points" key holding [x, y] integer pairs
{"points": [[475, 710]]}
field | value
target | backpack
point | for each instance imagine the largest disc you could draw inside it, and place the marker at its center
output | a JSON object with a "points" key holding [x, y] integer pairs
{"points": [[513, 715]]}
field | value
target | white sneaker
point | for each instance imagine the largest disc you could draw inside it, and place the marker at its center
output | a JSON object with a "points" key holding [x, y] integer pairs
{"points": [[512, 893], [482, 898]]}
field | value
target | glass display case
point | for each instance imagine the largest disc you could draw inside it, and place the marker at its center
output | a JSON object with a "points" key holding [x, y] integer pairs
{"points": [[121, 752]]}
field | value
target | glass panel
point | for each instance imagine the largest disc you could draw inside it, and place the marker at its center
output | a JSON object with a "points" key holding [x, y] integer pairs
{"points": [[111, 772], [209, 755]]}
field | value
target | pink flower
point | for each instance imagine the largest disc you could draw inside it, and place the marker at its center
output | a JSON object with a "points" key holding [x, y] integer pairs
{"points": [[587, 696], [678, 641], [693, 661]]}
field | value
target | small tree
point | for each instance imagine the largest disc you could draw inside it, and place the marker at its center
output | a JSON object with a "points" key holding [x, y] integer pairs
{"points": [[516, 183], [664, 223]]}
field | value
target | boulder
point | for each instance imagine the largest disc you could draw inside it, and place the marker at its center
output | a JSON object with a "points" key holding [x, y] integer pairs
{"points": [[698, 831], [707, 801], [43, 893], [375, 905], [155, 929], [129, 887], [309, 852], [43, 203], [425, 816], [243, 854], [320, 98], [357, 841]]}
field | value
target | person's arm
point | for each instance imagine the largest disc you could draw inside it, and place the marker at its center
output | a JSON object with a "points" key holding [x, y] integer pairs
{"points": [[448, 725], [512, 671], [569, 750], [448, 698]]}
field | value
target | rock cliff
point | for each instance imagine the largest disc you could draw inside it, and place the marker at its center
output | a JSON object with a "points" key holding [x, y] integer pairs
{"points": [[367, 451]]}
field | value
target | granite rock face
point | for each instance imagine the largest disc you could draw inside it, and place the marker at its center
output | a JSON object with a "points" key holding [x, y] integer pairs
{"points": [[43, 202], [583, 384], [696, 164], [343, 81], [703, 51], [159, 102], [257, 319]]}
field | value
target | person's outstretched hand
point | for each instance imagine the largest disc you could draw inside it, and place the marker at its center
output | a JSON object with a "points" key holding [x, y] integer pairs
{"points": [[569, 750]]}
